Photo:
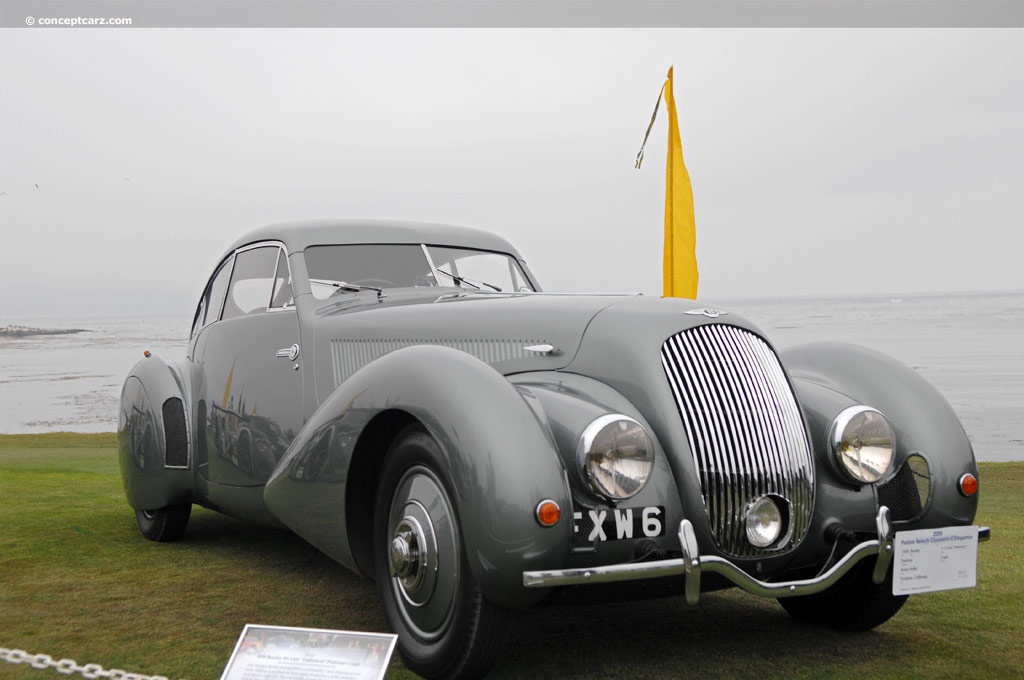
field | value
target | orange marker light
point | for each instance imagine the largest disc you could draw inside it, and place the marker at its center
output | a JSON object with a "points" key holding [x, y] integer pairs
{"points": [[968, 484], [548, 513], [146, 353]]}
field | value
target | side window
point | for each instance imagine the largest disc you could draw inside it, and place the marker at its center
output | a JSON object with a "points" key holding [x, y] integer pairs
{"points": [[197, 321], [282, 283], [252, 282], [213, 297]]}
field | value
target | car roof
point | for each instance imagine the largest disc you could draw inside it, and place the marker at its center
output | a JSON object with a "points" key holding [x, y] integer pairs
{"points": [[297, 236]]}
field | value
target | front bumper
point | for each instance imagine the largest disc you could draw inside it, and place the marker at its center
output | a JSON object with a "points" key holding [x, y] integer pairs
{"points": [[692, 564]]}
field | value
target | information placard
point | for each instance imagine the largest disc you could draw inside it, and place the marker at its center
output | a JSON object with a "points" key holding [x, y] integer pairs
{"points": [[935, 559], [282, 653]]}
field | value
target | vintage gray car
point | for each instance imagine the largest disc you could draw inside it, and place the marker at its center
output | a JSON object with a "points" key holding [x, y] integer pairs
{"points": [[403, 397]]}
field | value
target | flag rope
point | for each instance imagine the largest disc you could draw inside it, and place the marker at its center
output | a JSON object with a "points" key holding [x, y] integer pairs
{"points": [[640, 154]]}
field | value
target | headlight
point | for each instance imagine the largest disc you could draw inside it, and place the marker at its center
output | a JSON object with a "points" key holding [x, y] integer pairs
{"points": [[616, 456], [863, 444]]}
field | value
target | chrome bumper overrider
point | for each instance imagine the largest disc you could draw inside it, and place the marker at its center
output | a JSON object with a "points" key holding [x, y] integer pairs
{"points": [[692, 564]]}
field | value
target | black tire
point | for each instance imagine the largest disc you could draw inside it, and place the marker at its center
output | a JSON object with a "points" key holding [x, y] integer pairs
{"points": [[445, 626], [166, 524], [856, 603]]}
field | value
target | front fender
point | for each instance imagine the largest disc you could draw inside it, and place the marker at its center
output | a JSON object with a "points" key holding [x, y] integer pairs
{"points": [[498, 458], [924, 422], [153, 440]]}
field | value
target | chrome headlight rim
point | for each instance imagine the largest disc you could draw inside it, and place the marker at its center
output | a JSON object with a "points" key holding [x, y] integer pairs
{"points": [[848, 451], [588, 460]]}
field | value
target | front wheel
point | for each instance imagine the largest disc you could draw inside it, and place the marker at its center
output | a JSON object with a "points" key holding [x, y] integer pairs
{"points": [[855, 603], [445, 626], [164, 525]]}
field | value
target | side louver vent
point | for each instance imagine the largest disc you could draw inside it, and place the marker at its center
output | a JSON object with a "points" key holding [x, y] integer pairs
{"points": [[349, 356]]}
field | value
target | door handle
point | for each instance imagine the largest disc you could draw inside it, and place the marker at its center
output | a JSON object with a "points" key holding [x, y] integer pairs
{"points": [[289, 353]]}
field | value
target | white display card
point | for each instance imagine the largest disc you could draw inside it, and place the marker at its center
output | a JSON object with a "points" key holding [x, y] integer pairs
{"points": [[281, 653], [935, 559]]}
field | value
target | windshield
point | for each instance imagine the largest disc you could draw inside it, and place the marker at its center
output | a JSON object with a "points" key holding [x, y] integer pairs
{"points": [[478, 269], [332, 268]]}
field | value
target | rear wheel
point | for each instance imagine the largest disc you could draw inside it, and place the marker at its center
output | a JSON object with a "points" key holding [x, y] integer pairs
{"points": [[855, 603], [165, 524], [445, 627]]}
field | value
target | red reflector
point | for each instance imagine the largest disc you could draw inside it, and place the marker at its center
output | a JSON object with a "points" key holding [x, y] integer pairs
{"points": [[548, 513], [968, 484]]}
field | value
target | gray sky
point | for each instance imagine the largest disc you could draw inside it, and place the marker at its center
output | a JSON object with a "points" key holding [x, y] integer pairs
{"points": [[823, 161]]}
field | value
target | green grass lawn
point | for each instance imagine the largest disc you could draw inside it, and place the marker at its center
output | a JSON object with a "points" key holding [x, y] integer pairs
{"points": [[78, 581]]}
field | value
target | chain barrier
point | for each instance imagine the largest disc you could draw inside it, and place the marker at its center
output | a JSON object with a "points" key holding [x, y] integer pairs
{"points": [[91, 671]]}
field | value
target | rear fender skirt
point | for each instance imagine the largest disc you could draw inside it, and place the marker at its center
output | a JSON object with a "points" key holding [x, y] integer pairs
{"points": [[153, 439], [500, 462]]}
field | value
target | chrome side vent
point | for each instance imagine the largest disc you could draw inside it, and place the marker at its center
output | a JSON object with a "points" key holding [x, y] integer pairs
{"points": [[744, 428]]}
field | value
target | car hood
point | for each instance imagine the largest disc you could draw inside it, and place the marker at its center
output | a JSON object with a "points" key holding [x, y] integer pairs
{"points": [[513, 333]]}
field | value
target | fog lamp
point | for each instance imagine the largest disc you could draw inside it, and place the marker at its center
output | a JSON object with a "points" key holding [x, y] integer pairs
{"points": [[764, 522]]}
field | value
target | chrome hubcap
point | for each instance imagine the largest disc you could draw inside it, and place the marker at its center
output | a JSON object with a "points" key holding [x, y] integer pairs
{"points": [[424, 553], [405, 554], [402, 560]]}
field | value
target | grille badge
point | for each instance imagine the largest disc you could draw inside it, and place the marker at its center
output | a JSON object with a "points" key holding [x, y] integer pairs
{"points": [[708, 312]]}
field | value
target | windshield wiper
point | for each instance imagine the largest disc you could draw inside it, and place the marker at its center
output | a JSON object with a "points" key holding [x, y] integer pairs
{"points": [[461, 280], [349, 287]]}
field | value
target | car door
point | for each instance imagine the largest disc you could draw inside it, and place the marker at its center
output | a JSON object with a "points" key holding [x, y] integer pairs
{"points": [[249, 360]]}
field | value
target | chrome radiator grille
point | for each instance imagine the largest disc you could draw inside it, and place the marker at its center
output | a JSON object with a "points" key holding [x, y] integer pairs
{"points": [[744, 427]]}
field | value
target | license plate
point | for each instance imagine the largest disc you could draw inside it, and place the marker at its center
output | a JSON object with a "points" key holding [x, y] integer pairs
{"points": [[935, 559], [615, 524]]}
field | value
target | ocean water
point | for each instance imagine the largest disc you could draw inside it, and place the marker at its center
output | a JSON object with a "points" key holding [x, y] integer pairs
{"points": [[970, 346], [72, 383]]}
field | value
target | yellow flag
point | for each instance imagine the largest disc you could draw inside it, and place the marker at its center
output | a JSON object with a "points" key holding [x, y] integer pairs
{"points": [[680, 267]]}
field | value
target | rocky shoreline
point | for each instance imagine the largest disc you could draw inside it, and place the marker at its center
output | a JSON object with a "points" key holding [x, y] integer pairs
{"points": [[13, 331]]}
